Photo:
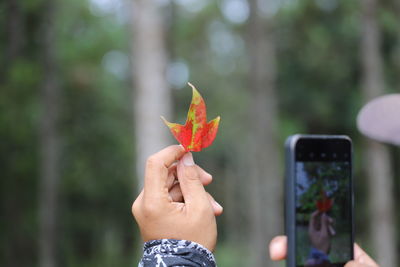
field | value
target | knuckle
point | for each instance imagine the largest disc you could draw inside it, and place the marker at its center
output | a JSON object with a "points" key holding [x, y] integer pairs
{"points": [[152, 162], [149, 209], [203, 209], [135, 208], [142, 209], [155, 165]]}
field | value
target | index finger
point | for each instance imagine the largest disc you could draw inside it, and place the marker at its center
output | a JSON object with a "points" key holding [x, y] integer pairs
{"points": [[156, 173]]}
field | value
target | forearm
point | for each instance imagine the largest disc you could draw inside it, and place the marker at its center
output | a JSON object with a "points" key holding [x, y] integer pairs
{"points": [[171, 252]]}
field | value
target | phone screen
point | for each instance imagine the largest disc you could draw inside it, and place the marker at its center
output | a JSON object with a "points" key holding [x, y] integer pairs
{"points": [[323, 202]]}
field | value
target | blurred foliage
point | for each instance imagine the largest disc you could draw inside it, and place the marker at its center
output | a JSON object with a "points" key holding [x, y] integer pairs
{"points": [[318, 92]]}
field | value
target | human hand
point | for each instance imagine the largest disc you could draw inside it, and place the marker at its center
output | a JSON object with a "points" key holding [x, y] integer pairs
{"points": [[158, 209], [361, 259], [319, 231], [278, 251]]}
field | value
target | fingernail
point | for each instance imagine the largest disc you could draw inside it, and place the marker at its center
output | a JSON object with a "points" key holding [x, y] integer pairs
{"points": [[187, 159], [218, 205]]}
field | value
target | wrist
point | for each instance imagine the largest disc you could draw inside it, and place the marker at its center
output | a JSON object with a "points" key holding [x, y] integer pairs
{"points": [[317, 256]]}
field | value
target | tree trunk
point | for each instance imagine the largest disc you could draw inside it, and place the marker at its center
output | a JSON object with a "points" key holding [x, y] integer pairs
{"points": [[49, 143], [264, 176], [152, 96], [11, 207], [14, 31], [377, 157]]}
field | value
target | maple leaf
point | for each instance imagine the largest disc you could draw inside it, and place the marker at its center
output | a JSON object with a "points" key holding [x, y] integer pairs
{"points": [[196, 134], [324, 204]]}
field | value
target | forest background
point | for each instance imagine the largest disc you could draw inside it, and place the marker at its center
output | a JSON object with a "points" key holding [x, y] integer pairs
{"points": [[83, 83]]}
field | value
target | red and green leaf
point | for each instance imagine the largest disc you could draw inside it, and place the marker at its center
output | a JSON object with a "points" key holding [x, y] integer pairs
{"points": [[196, 134], [324, 204]]}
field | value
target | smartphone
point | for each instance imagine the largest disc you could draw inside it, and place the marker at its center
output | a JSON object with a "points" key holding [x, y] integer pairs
{"points": [[319, 200]]}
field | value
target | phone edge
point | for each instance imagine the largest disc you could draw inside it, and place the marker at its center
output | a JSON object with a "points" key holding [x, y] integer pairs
{"points": [[290, 198]]}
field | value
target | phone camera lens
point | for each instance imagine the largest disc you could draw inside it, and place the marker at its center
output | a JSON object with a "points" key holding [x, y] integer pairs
{"points": [[323, 155]]}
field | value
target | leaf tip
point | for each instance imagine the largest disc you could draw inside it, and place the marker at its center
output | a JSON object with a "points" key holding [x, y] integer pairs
{"points": [[194, 89], [196, 97], [165, 121], [215, 121]]}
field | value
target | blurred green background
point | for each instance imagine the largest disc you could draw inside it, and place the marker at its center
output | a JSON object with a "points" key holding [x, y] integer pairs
{"points": [[83, 83]]}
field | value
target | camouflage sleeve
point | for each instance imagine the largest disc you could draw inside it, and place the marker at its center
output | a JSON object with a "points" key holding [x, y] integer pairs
{"points": [[171, 252]]}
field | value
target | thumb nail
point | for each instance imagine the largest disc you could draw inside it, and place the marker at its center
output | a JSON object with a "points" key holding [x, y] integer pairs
{"points": [[218, 205], [187, 159]]}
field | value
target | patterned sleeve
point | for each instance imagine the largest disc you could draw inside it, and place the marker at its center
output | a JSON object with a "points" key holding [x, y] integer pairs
{"points": [[172, 252]]}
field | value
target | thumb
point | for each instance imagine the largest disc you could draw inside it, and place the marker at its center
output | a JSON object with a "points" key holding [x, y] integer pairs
{"points": [[193, 191], [360, 256], [278, 248]]}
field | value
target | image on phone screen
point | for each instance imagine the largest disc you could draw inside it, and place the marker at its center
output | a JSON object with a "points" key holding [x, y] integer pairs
{"points": [[323, 208]]}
